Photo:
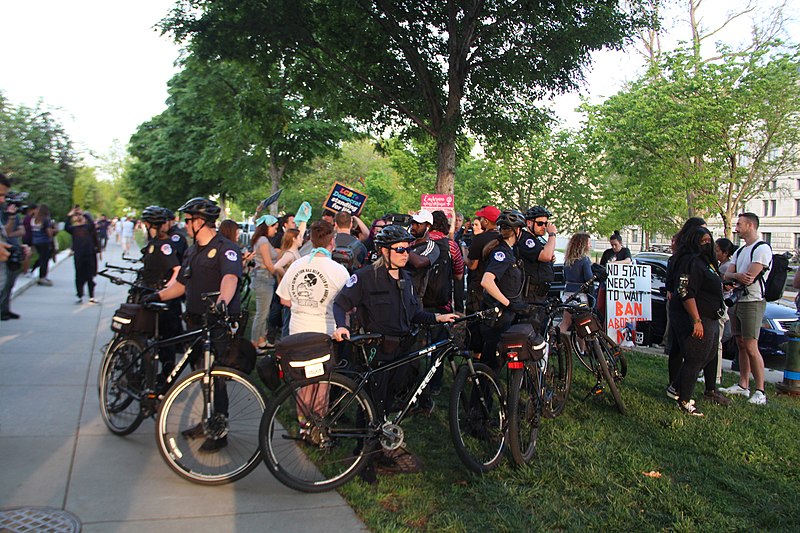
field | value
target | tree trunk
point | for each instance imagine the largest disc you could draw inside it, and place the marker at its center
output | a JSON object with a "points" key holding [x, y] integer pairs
{"points": [[446, 164], [276, 172]]}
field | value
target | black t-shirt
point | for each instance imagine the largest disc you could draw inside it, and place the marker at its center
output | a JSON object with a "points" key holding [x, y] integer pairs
{"points": [[696, 278], [476, 253], [528, 248], [610, 255], [159, 258], [178, 239], [508, 275], [203, 269]]}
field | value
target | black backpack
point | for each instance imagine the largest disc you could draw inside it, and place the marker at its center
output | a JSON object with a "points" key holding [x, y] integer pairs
{"points": [[439, 286], [773, 276], [347, 256]]}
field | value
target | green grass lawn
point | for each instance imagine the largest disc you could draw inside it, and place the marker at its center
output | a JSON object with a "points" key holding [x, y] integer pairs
{"points": [[736, 469]]}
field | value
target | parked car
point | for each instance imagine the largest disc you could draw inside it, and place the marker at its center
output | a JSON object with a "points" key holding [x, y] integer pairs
{"points": [[246, 231], [777, 318]]}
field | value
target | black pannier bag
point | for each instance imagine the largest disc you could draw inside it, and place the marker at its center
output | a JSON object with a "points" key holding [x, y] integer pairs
{"points": [[524, 341], [241, 355], [305, 355], [269, 372], [586, 324], [133, 318]]}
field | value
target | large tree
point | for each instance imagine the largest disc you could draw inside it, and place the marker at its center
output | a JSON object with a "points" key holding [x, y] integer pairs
{"points": [[440, 67]]}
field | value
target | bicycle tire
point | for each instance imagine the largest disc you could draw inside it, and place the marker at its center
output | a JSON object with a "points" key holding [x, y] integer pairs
{"points": [[183, 409], [119, 386], [326, 450], [524, 414], [600, 355], [558, 377], [477, 416]]}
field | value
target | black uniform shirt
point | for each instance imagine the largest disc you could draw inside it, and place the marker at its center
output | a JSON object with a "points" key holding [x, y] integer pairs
{"points": [[203, 269], [178, 242], [528, 248], [507, 274], [476, 253], [159, 258], [385, 305]]}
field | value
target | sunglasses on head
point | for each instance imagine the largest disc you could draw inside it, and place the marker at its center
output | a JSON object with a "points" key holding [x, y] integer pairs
{"points": [[540, 223], [401, 249]]}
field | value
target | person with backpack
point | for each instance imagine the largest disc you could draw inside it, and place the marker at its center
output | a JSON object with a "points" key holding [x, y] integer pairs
{"points": [[349, 251], [747, 271]]}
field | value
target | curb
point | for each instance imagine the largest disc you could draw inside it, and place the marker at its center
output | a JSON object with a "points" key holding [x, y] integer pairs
{"points": [[27, 283]]}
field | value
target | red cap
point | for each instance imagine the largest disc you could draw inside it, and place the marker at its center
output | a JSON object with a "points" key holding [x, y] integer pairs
{"points": [[489, 212]]}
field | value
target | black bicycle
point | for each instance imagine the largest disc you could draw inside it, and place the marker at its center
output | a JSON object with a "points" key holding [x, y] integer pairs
{"points": [[206, 422], [317, 434], [599, 354]]}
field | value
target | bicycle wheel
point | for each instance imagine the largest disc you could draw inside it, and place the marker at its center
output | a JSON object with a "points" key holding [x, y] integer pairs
{"points": [[524, 413], [215, 449], [600, 354], [477, 418], [120, 386], [317, 434], [558, 375]]}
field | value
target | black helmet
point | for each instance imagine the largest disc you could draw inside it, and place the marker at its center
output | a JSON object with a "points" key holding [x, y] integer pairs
{"points": [[536, 212], [202, 207], [392, 234], [511, 219], [154, 215]]}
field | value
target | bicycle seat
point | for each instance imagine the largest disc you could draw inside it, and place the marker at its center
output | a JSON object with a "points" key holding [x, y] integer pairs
{"points": [[367, 338], [158, 307]]}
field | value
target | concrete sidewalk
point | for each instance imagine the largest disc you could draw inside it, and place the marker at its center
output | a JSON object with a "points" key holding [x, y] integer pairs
{"points": [[56, 452]]}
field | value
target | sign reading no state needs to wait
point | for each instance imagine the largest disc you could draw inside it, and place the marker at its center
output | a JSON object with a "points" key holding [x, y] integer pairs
{"points": [[627, 297]]}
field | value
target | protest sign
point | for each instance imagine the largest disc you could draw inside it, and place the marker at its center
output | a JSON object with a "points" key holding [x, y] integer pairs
{"points": [[627, 298], [343, 198], [439, 202]]}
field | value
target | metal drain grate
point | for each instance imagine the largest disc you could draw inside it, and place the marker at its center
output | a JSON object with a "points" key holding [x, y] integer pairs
{"points": [[39, 519]]}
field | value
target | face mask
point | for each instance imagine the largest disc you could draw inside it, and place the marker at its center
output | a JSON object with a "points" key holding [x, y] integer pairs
{"points": [[707, 251]]}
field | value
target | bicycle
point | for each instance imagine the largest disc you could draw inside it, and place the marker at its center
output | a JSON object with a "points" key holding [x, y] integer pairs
{"points": [[216, 405], [604, 360], [341, 430]]}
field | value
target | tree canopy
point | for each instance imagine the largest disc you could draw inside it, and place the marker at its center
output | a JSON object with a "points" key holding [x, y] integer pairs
{"points": [[439, 68]]}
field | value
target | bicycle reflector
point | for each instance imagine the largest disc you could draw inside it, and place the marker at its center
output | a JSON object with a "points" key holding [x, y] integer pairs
{"points": [[512, 353]]}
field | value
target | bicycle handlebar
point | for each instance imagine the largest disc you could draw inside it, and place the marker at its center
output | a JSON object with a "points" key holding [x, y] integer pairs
{"points": [[122, 268], [116, 280]]}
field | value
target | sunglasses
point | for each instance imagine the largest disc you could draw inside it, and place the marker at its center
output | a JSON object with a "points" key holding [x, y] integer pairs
{"points": [[540, 223], [187, 220], [401, 249]]}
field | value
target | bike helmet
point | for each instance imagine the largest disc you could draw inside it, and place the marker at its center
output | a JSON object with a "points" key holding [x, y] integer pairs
{"points": [[202, 207], [536, 212], [392, 234], [511, 219], [154, 215]]}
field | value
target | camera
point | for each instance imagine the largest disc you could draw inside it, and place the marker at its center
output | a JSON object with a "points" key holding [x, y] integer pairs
{"points": [[398, 219], [15, 257], [735, 295], [16, 198]]}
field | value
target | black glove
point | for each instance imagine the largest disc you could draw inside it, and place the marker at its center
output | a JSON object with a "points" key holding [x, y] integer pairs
{"points": [[519, 308], [150, 298]]}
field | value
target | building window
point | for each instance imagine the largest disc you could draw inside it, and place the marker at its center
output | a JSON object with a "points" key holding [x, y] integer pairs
{"points": [[797, 241], [773, 185], [798, 183], [765, 210], [772, 204], [635, 235], [767, 238], [797, 207]]}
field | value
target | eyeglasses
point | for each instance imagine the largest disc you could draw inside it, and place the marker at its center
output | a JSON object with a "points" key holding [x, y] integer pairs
{"points": [[540, 223], [401, 249]]}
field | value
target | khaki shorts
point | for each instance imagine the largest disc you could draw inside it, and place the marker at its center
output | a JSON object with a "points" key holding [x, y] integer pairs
{"points": [[746, 318]]}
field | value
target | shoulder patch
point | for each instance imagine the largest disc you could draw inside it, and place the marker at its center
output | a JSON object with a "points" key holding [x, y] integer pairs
{"points": [[529, 243], [175, 238], [231, 255], [166, 249], [352, 281], [499, 256]]}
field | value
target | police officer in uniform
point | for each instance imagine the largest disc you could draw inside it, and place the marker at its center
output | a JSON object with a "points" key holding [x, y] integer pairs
{"points": [[177, 236], [386, 303], [502, 282], [212, 263], [536, 249], [161, 268]]}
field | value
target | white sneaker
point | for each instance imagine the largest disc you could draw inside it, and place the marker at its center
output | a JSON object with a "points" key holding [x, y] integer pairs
{"points": [[736, 389], [759, 398]]}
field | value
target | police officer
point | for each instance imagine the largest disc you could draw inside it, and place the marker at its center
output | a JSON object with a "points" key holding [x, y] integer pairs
{"points": [[536, 249], [176, 235], [212, 263], [161, 267], [502, 282], [386, 303]]}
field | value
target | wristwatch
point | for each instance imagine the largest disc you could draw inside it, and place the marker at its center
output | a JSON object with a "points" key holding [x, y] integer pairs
{"points": [[552, 234]]}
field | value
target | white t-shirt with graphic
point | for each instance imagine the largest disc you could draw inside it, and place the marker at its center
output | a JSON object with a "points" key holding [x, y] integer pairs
{"points": [[762, 255], [312, 285]]}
